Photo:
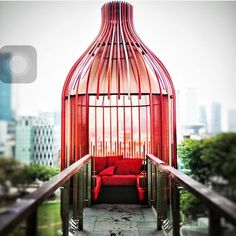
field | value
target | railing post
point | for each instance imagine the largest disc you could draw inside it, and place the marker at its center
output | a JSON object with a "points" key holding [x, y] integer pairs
{"points": [[154, 186], [164, 194], [65, 192], [81, 199], [149, 176], [175, 207], [85, 185], [159, 198], [214, 224], [75, 200], [31, 228], [89, 177]]}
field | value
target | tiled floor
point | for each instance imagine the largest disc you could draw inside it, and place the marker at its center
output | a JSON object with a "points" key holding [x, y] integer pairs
{"points": [[120, 220]]}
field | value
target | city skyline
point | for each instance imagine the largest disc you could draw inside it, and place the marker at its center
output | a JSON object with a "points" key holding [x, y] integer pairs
{"points": [[202, 55]]}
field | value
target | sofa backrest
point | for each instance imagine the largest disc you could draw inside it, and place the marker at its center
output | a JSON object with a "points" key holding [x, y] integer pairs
{"points": [[135, 165], [112, 159], [100, 164], [103, 162], [122, 166]]}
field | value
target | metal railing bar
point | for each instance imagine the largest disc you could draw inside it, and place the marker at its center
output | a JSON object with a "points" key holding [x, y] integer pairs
{"points": [[21, 210], [216, 202]]}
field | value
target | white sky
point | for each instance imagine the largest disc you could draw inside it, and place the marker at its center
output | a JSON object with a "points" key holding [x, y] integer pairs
{"points": [[196, 41]]}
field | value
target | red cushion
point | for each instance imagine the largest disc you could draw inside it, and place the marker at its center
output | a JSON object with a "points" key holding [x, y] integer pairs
{"points": [[119, 180], [122, 167], [100, 164], [112, 159], [135, 166], [108, 171]]}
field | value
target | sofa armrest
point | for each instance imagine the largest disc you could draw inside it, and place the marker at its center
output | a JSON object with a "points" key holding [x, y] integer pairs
{"points": [[142, 181], [142, 187], [96, 183]]}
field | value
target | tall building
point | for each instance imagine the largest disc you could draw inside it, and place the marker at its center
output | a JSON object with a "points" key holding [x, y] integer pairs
{"points": [[215, 118], [178, 109], [190, 106], [24, 139], [180, 115], [5, 88], [232, 120], [38, 139], [7, 138], [44, 142], [203, 117], [5, 101]]}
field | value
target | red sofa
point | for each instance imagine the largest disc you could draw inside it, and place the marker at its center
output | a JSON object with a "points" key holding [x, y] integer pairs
{"points": [[118, 171]]}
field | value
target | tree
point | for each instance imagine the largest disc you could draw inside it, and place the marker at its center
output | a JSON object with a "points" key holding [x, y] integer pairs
{"points": [[27, 175], [219, 154], [210, 157], [7, 167], [21, 176], [190, 154], [190, 206], [207, 158]]}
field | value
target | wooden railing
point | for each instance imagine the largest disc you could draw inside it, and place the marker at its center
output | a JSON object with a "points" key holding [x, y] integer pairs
{"points": [[78, 175], [164, 184]]}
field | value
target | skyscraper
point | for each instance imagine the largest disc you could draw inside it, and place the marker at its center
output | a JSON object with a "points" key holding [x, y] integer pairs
{"points": [[5, 101], [24, 139], [190, 106], [203, 117], [5, 88], [45, 152], [215, 118], [232, 120], [37, 139]]}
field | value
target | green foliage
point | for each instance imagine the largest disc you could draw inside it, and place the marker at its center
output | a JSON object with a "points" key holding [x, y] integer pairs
{"points": [[49, 221], [7, 167], [191, 206], [219, 154], [211, 157], [22, 176], [214, 156], [28, 174], [190, 154]]}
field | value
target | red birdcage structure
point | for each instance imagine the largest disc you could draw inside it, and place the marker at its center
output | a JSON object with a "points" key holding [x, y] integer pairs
{"points": [[118, 97]]}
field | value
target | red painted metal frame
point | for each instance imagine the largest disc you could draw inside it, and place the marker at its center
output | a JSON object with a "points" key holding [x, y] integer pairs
{"points": [[118, 66]]}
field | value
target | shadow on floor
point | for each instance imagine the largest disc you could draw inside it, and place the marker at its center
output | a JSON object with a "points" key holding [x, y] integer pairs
{"points": [[118, 195]]}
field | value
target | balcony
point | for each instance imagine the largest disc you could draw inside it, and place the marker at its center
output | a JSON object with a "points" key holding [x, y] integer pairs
{"points": [[160, 216]]}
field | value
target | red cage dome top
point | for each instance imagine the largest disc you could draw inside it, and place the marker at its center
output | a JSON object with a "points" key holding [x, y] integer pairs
{"points": [[118, 62]]}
